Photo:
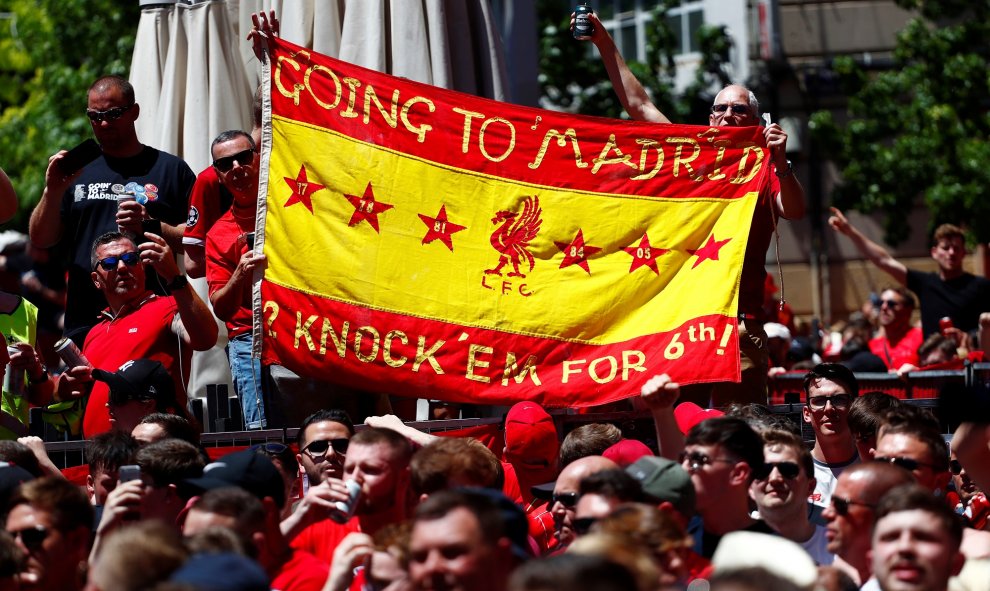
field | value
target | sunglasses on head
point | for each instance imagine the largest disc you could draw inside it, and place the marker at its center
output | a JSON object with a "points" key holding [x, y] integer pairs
{"points": [[568, 500], [838, 401], [110, 263], [736, 109], [320, 447], [225, 163], [955, 467], [108, 115], [906, 463], [842, 505], [270, 447], [788, 470], [31, 537]]}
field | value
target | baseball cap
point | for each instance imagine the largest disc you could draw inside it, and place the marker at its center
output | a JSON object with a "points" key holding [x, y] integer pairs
{"points": [[222, 571], [689, 414], [247, 469], [530, 437], [627, 451], [139, 379], [665, 481], [778, 555]]}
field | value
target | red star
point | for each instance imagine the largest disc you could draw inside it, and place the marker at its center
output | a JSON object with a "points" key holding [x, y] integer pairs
{"points": [[440, 228], [302, 189], [644, 255], [709, 251], [366, 208], [577, 252]]}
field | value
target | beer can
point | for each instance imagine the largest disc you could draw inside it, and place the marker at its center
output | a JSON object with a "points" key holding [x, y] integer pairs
{"points": [[14, 380], [342, 511], [70, 353], [945, 324], [583, 28]]}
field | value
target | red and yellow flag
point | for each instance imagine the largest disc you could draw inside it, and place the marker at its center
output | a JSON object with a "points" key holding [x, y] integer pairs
{"points": [[434, 244]]}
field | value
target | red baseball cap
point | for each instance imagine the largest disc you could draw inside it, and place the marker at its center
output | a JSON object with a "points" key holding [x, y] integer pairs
{"points": [[689, 414], [627, 451]]}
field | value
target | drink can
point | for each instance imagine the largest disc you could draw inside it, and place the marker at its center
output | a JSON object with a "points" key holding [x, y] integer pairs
{"points": [[124, 198], [582, 24], [945, 324], [70, 353], [342, 511], [13, 379]]}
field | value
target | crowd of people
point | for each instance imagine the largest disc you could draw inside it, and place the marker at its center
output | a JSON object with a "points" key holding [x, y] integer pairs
{"points": [[730, 496]]}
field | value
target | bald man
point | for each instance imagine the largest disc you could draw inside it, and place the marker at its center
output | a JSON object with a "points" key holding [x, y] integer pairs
{"points": [[566, 491], [851, 513]]}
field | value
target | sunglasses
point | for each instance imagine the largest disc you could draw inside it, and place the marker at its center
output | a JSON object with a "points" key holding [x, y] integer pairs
{"points": [[583, 525], [117, 398], [736, 109], [696, 460], [788, 470], [31, 537], [108, 115], [890, 303], [906, 463], [270, 447], [110, 263], [955, 467], [320, 447], [568, 500], [225, 163], [838, 401], [842, 505]]}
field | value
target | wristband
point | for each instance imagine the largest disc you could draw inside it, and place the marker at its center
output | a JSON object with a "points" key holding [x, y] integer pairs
{"points": [[786, 173]]}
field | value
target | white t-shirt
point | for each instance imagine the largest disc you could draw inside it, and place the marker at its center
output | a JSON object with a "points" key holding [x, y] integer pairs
{"points": [[826, 476]]}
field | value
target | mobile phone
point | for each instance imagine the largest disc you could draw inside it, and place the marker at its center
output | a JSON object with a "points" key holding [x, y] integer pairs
{"points": [[766, 119], [249, 237], [79, 156], [128, 473]]}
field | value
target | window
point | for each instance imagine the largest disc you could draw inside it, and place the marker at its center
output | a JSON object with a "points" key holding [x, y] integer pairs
{"points": [[626, 21]]}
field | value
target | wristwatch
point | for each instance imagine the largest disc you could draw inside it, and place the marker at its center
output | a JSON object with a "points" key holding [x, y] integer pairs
{"points": [[178, 283], [788, 172]]}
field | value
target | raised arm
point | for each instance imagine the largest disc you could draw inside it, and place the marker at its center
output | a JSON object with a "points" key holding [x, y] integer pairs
{"points": [[790, 201], [45, 227], [877, 254], [631, 93], [194, 323]]}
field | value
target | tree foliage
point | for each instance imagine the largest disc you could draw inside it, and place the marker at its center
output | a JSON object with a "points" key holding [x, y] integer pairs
{"points": [[573, 79], [50, 53], [920, 129]]}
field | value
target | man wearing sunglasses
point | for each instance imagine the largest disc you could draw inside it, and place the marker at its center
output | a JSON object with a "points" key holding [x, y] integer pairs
{"points": [[80, 204], [723, 455], [323, 440], [897, 343], [734, 106], [829, 390], [566, 492], [51, 520], [231, 261], [137, 324], [781, 493], [851, 512]]}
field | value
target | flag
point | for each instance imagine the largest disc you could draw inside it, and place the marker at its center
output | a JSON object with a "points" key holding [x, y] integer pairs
{"points": [[433, 244]]}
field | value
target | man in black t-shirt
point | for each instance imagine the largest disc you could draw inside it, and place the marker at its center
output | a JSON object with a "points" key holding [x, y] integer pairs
{"points": [[77, 208], [951, 292]]}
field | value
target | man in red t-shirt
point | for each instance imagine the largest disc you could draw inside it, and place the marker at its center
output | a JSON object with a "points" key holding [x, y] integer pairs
{"points": [[378, 460], [137, 324], [230, 265], [898, 341]]}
